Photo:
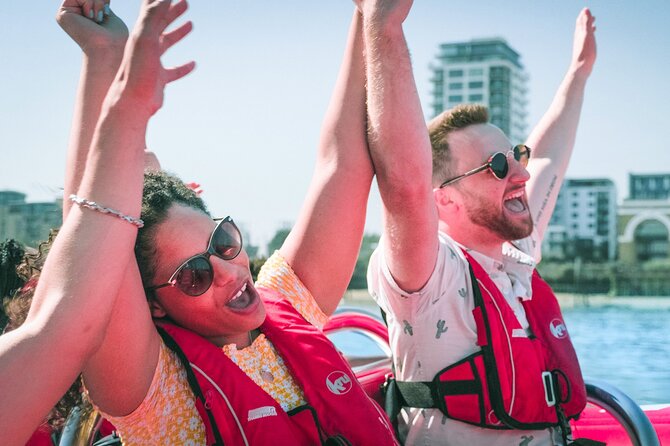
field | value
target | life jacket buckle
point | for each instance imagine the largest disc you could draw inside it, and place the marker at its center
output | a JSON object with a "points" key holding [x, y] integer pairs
{"points": [[549, 393]]}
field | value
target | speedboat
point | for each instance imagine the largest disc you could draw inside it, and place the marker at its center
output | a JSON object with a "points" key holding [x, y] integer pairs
{"points": [[610, 416]]}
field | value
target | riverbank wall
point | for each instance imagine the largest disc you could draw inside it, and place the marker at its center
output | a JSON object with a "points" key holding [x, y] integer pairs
{"points": [[361, 298]]}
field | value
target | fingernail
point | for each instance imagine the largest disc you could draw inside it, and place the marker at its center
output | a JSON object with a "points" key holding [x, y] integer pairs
{"points": [[107, 9], [90, 14]]}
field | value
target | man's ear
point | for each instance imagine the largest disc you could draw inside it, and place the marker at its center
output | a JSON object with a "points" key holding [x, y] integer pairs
{"points": [[157, 310], [447, 200]]}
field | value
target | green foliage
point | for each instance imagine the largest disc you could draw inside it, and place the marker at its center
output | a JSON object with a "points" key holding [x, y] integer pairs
{"points": [[359, 278], [278, 240], [255, 265]]}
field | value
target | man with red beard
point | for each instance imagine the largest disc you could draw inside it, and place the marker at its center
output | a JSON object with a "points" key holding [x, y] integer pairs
{"points": [[481, 353]]}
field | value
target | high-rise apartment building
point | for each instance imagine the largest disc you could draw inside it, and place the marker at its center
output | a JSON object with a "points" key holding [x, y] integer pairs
{"points": [[487, 72], [584, 222]]}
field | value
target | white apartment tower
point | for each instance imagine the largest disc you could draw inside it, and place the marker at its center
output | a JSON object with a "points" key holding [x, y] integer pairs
{"points": [[584, 222], [487, 72]]}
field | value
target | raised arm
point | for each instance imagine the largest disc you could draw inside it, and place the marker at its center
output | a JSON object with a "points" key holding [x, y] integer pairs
{"points": [[323, 246], [102, 36], [399, 146], [80, 280], [553, 139], [135, 95]]}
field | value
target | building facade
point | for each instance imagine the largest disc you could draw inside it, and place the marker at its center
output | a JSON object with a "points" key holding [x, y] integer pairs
{"points": [[487, 72], [29, 223], [584, 222], [644, 219]]}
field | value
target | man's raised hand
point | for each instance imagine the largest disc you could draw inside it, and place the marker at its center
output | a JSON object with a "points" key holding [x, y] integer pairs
{"points": [[584, 44]]}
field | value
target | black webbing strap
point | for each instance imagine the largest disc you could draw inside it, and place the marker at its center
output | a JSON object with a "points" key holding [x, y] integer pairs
{"points": [[392, 398], [335, 440], [428, 395], [192, 381], [416, 394]]}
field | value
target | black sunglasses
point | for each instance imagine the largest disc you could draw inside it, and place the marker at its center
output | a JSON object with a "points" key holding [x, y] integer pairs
{"points": [[497, 164], [195, 275]]}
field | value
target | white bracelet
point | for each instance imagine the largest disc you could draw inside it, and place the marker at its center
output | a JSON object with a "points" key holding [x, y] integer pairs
{"points": [[96, 207]]}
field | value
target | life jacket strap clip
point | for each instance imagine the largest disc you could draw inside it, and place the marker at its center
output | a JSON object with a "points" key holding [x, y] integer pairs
{"points": [[549, 388]]}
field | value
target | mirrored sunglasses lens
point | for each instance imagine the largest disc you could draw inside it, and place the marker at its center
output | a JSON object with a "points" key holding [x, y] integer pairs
{"points": [[498, 165], [521, 154], [195, 277], [227, 241]]}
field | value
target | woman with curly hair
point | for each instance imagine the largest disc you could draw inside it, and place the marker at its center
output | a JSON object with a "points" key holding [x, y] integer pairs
{"points": [[213, 356]]}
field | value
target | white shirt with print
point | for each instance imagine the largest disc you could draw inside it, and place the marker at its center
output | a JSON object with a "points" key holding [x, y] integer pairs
{"points": [[434, 327]]}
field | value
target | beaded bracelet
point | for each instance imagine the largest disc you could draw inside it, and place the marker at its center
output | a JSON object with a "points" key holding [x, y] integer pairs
{"points": [[96, 207]]}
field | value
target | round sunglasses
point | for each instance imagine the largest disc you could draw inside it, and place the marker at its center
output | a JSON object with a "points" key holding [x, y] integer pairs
{"points": [[497, 164], [196, 274]]}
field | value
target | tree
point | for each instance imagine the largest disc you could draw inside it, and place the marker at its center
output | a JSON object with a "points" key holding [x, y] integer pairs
{"points": [[359, 279], [278, 240]]}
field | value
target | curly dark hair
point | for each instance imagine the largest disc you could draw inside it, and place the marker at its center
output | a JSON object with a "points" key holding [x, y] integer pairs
{"points": [[11, 255], [161, 191]]}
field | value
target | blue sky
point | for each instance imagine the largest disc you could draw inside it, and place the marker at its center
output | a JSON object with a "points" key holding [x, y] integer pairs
{"points": [[245, 124]]}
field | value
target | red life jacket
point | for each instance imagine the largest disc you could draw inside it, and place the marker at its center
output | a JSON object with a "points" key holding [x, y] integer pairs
{"points": [[246, 415], [514, 381]]}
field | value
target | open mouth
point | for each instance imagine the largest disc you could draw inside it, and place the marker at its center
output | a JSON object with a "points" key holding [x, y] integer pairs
{"points": [[244, 297], [515, 202]]}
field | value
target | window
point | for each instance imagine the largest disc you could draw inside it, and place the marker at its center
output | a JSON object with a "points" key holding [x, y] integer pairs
{"points": [[476, 71], [455, 98], [455, 73], [455, 85], [476, 84], [475, 97]]}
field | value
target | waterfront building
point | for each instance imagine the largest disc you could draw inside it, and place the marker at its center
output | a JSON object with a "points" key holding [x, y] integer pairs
{"points": [[644, 219], [487, 72], [584, 222], [27, 222]]}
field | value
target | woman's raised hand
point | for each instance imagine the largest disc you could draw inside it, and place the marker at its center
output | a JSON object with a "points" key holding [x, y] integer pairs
{"points": [[142, 74]]}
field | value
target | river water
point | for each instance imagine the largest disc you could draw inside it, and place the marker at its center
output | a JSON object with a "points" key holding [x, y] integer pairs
{"points": [[625, 346]]}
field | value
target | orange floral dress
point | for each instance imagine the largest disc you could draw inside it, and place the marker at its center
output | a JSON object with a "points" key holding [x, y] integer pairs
{"points": [[168, 415]]}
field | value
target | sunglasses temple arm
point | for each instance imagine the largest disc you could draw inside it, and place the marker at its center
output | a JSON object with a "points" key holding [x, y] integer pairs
{"points": [[466, 174]]}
